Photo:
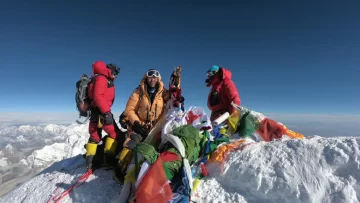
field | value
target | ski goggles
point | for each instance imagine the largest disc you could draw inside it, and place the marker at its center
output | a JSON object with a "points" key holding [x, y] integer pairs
{"points": [[212, 73], [153, 73]]}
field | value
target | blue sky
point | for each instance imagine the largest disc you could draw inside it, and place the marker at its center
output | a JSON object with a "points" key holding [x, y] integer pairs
{"points": [[286, 57]]}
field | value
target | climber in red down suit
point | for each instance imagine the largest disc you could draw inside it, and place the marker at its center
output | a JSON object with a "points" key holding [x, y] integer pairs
{"points": [[101, 93], [223, 92]]}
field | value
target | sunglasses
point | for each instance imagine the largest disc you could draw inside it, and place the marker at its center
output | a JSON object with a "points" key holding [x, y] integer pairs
{"points": [[153, 73]]}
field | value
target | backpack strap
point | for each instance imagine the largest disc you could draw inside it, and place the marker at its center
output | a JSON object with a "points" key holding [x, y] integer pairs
{"points": [[96, 75], [93, 79], [163, 94], [141, 93]]}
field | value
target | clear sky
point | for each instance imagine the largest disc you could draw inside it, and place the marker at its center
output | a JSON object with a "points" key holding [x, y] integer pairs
{"points": [[285, 56]]}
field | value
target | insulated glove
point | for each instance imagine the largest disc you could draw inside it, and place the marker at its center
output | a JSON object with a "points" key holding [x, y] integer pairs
{"points": [[122, 121], [108, 118], [181, 99], [179, 102], [135, 139], [139, 129], [131, 144], [172, 88]]}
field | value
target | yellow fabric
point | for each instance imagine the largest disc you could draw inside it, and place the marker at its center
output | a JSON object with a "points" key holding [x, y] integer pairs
{"points": [[130, 176], [110, 145], [223, 131], [201, 135], [123, 154], [233, 122], [196, 184], [91, 149]]}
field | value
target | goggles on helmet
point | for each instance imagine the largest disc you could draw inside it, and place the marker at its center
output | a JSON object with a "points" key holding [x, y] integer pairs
{"points": [[211, 73], [153, 73]]}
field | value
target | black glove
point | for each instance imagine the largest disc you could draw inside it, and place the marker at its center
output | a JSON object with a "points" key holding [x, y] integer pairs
{"points": [[172, 88], [108, 118], [122, 120], [179, 102], [139, 129], [135, 139], [181, 99], [176, 103], [131, 144]]}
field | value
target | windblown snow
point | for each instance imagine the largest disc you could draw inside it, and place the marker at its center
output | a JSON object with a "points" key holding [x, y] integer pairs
{"points": [[313, 170]]}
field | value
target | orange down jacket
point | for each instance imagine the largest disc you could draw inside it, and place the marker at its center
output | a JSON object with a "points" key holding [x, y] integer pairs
{"points": [[139, 108]]}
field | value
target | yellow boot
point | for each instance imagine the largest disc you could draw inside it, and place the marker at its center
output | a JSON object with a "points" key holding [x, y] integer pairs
{"points": [[109, 153], [90, 153], [126, 156]]}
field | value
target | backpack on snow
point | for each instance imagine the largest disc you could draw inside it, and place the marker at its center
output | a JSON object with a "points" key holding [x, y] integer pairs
{"points": [[82, 98]]}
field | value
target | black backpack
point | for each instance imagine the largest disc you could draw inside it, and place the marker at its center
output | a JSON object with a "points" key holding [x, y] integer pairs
{"points": [[81, 97]]}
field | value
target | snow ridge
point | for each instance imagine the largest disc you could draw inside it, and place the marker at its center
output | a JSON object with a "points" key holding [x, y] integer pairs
{"points": [[312, 170]]}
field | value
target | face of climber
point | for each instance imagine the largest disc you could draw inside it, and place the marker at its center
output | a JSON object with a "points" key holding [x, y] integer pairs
{"points": [[152, 77], [152, 81], [213, 75]]}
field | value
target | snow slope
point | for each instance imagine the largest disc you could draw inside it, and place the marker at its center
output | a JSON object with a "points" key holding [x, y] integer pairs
{"points": [[26, 150], [314, 170]]}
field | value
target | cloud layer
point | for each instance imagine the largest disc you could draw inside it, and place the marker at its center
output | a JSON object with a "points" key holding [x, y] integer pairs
{"points": [[308, 124], [39, 118], [320, 124], [34, 118]]}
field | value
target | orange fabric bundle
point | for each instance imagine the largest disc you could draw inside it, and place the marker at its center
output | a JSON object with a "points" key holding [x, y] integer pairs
{"points": [[154, 187], [293, 134], [270, 129], [219, 154]]}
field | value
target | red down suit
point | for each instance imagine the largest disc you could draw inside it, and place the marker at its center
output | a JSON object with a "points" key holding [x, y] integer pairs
{"points": [[222, 93], [101, 94]]}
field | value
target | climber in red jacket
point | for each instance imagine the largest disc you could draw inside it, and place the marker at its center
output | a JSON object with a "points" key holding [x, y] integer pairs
{"points": [[222, 93], [101, 92]]}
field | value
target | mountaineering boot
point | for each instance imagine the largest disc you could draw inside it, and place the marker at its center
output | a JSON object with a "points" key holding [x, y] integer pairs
{"points": [[120, 170], [90, 153], [109, 153]]}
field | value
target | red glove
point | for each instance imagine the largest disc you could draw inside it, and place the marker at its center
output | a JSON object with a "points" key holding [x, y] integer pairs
{"points": [[179, 103], [175, 92]]}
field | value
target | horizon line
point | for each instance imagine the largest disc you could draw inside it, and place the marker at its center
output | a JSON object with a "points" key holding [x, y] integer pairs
{"points": [[285, 113]]}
